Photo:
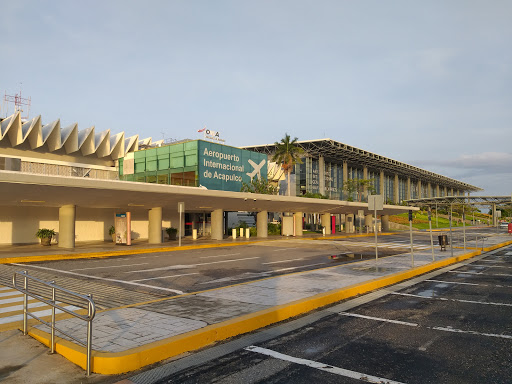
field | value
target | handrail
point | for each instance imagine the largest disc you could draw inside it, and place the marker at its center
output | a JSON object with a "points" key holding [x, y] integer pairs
{"points": [[66, 297]]}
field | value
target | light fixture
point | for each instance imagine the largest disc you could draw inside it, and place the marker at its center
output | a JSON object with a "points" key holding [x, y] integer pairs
{"points": [[135, 205], [205, 207], [32, 201]]}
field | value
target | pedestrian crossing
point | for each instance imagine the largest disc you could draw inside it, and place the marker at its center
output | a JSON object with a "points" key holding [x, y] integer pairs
{"points": [[395, 244], [11, 308]]}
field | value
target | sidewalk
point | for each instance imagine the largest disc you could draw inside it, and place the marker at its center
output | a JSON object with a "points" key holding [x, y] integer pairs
{"points": [[126, 339]]}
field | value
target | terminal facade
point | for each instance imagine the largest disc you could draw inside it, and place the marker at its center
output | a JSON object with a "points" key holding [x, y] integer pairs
{"points": [[75, 181]]}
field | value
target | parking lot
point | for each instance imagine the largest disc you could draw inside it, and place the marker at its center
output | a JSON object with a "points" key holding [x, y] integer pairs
{"points": [[453, 328]]}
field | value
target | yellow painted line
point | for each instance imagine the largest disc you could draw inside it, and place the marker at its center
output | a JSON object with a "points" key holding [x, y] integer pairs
{"points": [[136, 358]]}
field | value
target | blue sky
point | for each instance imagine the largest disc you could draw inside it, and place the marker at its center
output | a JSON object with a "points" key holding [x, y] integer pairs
{"points": [[428, 83]]}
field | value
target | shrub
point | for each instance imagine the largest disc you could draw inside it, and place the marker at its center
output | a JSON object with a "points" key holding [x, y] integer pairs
{"points": [[43, 233]]}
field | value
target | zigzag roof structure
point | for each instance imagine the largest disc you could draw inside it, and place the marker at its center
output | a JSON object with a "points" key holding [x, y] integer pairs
{"points": [[53, 137]]}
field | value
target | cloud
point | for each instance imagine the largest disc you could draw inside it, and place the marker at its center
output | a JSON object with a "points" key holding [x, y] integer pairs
{"points": [[481, 163]]}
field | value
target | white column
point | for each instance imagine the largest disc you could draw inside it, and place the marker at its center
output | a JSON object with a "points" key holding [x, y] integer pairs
{"points": [[326, 222], [321, 175], [217, 224], [262, 223], [155, 225], [298, 223], [396, 190], [67, 215]]}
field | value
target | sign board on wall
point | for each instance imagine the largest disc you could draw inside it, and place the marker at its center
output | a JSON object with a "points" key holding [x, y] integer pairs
{"points": [[123, 228], [225, 168]]}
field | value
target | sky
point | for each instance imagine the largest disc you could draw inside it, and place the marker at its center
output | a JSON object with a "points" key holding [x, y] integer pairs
{"points": [[428, 83]]}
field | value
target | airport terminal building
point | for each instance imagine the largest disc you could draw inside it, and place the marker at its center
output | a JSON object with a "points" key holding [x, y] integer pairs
{"points": [[77, 181]]}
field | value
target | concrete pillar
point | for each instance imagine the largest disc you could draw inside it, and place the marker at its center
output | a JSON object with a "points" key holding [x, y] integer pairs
{"points": [[451, 192], [408, 194], [67, 215], [365, 190], [262, 223], [429, 190], [396, 190], [349, 223], [298, 223], [384, 221], [494, 218], [326, 222], [382, 185], [155, 225], [321, 175], [345, 178], [287, 224], [368, 221], [420, 194], [438, 192], [217, 224]]}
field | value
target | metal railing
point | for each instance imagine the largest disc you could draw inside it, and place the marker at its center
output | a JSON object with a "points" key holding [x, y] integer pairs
{"points": [[53, 295]]}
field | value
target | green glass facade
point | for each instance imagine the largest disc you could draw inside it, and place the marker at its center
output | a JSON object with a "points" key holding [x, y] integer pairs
{"points": [[196, 163]]}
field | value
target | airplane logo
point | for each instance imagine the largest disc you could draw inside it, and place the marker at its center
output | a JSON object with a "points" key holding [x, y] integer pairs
{"points": [[256, 170]]}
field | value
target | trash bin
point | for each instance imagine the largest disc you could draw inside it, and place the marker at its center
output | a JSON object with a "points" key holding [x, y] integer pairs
{"points": [[443, 241]]}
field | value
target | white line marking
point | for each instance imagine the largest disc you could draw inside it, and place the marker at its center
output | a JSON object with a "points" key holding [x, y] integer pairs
{"points": [[48, 312], [445, 329], [167, 277], [489, 266], [482, 273], [6, 289], [192, 265], [455, 282], [209, 257], [20, 307], [378, 319], [13, 293], [281, 261], [282, 249], [322, 367], [300, 266], [105, 279], [456, 300], [108, 267]]}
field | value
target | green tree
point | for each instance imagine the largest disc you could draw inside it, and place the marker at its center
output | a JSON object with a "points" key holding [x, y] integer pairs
{"points": [[257, 185], [358, 186], [287, 154]]}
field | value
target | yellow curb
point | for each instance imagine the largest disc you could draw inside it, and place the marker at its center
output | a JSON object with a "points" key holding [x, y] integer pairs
{"points": [[116, 363], [30, 259], [488, 249], [97, 255]]}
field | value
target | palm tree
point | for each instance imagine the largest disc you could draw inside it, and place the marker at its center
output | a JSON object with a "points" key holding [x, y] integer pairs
{"points": [[287, 154]]}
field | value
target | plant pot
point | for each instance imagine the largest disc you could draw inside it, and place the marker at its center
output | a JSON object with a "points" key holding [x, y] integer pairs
{"points": [[46, 241], [172, 237], [113, 237]]}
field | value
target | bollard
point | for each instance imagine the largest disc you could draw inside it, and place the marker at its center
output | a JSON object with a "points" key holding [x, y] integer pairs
{"points": [[241, 232], [234, 233], [194, 234], [247, 233]]}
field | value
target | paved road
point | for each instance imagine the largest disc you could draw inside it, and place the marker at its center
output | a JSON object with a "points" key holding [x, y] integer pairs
{"points": [[451, 328], [130, 279]]}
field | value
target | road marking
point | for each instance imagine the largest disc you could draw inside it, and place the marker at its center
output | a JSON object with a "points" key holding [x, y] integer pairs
{"points": [[482, 273], [456, 300], [455, 282], [281, 261], [300, 266], [167, 277], [490, 266], [104, 279], [378, 319], [428, 344], [283, 249], [228, 254], [19, 307], [322, 367], [444, 329], [6, 289], [192, 265], [111, 266], [13, 293], [48, 312]]}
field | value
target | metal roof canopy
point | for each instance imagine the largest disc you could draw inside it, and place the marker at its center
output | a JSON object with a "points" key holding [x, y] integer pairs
{"points": [[339, 152], [471, 200]]}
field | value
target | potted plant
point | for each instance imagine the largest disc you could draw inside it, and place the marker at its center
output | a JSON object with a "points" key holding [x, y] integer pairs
{"points": [[112, 232], [171, 232], [45, 235]]}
